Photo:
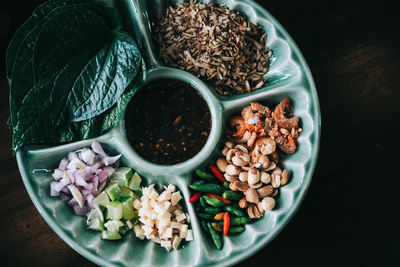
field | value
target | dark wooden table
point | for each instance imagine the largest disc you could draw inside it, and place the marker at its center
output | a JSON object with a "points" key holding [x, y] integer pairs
{"points": [[351, 214]]}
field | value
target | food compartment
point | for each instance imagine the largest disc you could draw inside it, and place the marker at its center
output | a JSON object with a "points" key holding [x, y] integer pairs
{"points": [[40, 162], [296, 163], [283, 68]]}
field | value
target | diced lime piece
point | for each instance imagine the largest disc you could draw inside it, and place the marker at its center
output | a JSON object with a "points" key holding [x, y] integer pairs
{"points": [[127, 208], [110, 235], [126, 192], [113, 191], [102, 199], [113, 225], [96, 225], [95, 214], [121, 176], [114, 209], [106, 214], [134, 184]]}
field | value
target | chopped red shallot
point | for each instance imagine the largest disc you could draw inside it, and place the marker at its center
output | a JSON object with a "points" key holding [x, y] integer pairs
{"points": [[81, 176]]}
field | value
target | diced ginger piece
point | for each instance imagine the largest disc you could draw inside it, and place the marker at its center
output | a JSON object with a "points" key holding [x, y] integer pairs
{"points": [[154, 216], [146, 221], [164, 221], [178, 212], [139, 232], [137, 204], [167, 205], [171, 188], [154, 195], [167, 234], [187, 217], [159, 208], [164, 215], [172, 208], [189, 235], [145, 192], [160, 227], [183, 231], [153, 203], [175, 225], [175, 198], [181, 217], [176, 242], [166, 245], [148, 230], [164, 196]]}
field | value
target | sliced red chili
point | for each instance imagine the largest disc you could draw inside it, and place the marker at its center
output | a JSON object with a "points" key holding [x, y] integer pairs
{"points": [[227, 222], [217, 173], [195, 197], [226, 201]]}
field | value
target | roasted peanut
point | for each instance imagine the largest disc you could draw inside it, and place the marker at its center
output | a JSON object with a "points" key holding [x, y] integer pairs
{"points": [[272, 165], [222, 164], [230, 178], [242, 148], [260, 208], [243, 203], [243, 156], [238, 161], [265, 191], [251, 195], [243, 176], [277, 170], [264, 161], [256, 185], [253, 176], [285, 177], [231, 153], [268, 203], [239, 186], [275, 180], [265, 177], [253, 211], [232, 170]]}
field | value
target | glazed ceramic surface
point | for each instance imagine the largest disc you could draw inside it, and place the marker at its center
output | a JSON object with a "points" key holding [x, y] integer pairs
{"points": [[289, 76]]}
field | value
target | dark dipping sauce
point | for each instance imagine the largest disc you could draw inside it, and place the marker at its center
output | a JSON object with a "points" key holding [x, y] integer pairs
{"points": [[167, 122]]}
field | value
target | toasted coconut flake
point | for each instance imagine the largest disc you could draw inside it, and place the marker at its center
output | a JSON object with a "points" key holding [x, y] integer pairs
{"points": [[216, 44]]}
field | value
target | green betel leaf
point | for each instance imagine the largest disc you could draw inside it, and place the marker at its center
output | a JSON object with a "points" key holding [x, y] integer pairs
{"points": [[112, 117], [22, 77], [92, 85], [26, 102], [39, 13], [72, 66]]}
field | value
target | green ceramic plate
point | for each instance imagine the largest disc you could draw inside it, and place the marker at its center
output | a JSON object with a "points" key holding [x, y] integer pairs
{"points": [[289, 76]]}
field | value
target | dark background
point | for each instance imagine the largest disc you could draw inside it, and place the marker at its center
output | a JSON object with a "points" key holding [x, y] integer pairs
{"points": [[350, 215]]}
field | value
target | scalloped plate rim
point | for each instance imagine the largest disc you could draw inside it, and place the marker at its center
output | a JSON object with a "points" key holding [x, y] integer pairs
{"points": [[287, 214]]}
